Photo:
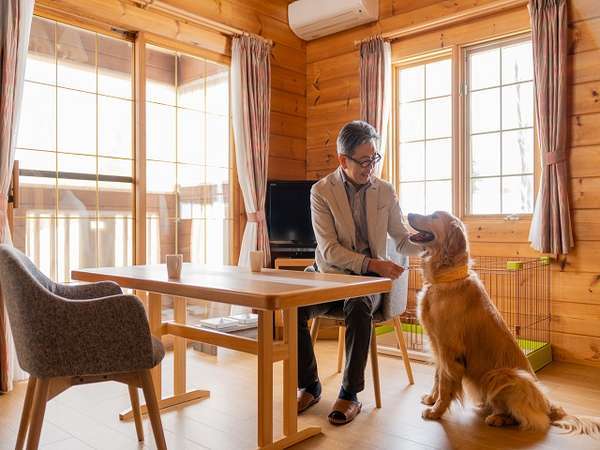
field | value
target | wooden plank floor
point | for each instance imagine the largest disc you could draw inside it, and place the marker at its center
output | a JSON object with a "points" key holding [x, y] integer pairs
{"points": [[86, 416]]}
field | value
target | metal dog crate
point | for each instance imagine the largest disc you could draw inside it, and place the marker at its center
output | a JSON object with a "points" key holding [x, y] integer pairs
{"points": [[520, 289]]}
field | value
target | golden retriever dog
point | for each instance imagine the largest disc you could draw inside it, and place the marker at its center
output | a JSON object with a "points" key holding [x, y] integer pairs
{"points": [[472, 346]]}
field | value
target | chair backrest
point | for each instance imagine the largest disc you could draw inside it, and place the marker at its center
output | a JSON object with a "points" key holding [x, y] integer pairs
{"points": [[394, 303], [310, 268], [29, 303]]}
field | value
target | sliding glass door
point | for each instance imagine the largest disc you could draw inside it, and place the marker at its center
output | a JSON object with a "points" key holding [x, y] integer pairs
{"points": [[188, 168], [75, 149]]}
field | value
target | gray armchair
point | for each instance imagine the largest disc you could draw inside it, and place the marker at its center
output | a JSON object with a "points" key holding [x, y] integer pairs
{"points": [[67, 335], [393, 304]]}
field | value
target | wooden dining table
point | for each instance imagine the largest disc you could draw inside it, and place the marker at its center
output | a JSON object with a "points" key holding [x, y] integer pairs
{"points": [[266, 291]]}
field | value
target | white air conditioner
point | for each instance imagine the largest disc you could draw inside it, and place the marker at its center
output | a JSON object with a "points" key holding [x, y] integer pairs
{"points": [[311, 19]]}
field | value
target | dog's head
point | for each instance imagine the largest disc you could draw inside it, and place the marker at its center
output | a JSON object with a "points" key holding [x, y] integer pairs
{"points": [[443, 237]]}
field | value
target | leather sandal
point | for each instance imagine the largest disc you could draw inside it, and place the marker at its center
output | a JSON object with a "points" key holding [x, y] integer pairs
{"points": [[306, 400], [344, 411]]}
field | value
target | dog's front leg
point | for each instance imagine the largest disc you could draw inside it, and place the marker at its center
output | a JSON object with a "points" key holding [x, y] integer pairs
{"points": [[430, 399], [446, 393], [449, 387]]}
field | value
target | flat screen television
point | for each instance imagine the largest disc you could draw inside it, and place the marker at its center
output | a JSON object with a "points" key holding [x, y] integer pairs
{"points": [[288, 213]]}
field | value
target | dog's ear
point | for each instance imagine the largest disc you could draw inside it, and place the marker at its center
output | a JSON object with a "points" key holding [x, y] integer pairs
{"points": [[456, 241]]}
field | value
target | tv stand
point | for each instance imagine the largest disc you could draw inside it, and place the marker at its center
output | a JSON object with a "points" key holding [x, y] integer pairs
{"points": [[294, 263]]}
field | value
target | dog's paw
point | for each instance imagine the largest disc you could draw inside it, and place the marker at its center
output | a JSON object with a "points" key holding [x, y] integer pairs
{"points": [[430, 414], [499, 420], [427, 399]]}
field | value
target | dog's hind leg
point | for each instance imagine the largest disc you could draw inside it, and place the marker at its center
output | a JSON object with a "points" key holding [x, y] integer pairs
{"points": [[556, 413], [430, 399], [483, 409]]}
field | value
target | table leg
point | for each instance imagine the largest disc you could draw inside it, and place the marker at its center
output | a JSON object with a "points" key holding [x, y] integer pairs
{"points": [[265, 378], [290, 372], [180, 347], [291, 433]]}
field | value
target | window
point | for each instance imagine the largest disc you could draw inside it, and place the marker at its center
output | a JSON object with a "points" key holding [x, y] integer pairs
{"points": [[497, 151], [75, 150], [425, 124], [188, 158], [500, 129]]}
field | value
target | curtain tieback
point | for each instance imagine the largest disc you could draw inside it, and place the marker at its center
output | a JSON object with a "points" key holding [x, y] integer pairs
{"points": [[3, 215], [551, 158], [3, 207], [258, 216]]}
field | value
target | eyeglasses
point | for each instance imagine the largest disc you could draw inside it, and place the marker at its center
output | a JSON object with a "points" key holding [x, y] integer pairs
{"points": [[366, 162]]}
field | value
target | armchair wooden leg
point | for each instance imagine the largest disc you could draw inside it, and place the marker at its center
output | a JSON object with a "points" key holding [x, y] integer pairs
{"points": [[153, 411], [26, 414], [137, 413], [341, 345], [314, 330], [375, 367], [402, 344], [40, 398]]}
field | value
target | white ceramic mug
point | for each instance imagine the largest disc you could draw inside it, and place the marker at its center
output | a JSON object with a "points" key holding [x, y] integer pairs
{"points": [[174, 264], [256, 260]]}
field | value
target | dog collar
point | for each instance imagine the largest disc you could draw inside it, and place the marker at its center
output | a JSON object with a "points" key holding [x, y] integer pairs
{"points": [[458, 273]]}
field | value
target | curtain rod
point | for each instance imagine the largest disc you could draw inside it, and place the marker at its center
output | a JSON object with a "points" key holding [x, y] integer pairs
{"points": [[453, 19], [213, 25]]}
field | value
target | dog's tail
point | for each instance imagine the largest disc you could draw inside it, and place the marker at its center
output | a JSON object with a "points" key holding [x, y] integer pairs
{"points": [[571, 424], [516, 392]]}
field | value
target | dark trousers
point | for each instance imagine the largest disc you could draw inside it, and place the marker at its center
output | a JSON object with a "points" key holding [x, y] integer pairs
{"points": [[358, 317]]}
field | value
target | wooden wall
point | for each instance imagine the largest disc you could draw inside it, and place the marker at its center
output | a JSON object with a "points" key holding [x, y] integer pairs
{"points": [[332, 99], [267, 18]]}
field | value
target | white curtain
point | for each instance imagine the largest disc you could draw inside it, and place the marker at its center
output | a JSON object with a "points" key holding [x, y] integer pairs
{"points": [[251, 108], [15, 25]]}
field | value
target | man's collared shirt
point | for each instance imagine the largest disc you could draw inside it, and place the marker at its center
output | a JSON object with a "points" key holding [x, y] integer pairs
{"points": [[357, 200]]}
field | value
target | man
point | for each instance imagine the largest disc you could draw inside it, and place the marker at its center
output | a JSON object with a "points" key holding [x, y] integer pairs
{"points": [[352, 214]]}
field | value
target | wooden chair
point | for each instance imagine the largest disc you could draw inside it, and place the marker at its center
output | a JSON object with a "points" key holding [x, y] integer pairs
{"points": [[314, 331], [69, 335], [392, 306]]}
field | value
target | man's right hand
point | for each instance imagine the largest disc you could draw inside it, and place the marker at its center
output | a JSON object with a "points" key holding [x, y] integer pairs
{"points": [[385, 268]]}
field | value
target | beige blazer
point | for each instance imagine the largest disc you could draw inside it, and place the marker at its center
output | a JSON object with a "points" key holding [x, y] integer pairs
{"points": [[334, 226]]}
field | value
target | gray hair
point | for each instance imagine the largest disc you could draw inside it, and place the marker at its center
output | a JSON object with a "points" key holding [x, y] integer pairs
{"points": [[353, 134]]}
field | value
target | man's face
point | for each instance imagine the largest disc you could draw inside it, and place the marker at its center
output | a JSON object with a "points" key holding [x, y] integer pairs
{"points": [[353, 169]]}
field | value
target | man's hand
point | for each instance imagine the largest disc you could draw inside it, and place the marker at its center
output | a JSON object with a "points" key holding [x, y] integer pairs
{"points": [[385, 268]]}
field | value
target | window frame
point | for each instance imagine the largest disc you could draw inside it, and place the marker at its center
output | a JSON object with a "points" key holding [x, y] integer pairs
{"points": [[460, 138], [147, 42], [394, 156], [57, 218], [464, 130]]}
